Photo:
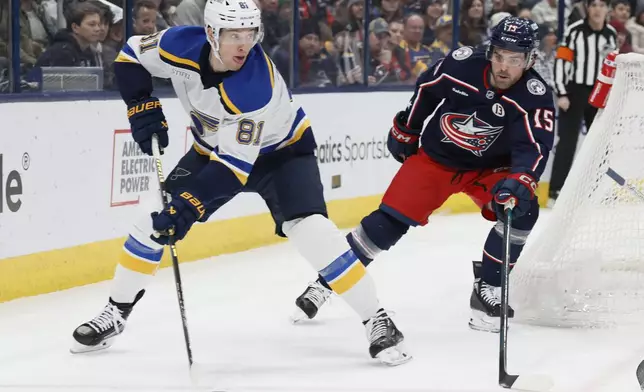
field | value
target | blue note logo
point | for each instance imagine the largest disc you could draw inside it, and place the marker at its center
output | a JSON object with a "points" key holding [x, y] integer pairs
{"points": [[469, 132]]}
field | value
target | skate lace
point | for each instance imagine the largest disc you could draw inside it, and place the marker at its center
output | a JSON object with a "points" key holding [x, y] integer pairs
{"points": [[317, 294], [491, 294], [377, 326], [109, 317]]}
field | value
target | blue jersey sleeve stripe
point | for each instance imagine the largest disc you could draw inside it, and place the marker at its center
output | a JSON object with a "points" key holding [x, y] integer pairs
{"points": [[127, 49]]}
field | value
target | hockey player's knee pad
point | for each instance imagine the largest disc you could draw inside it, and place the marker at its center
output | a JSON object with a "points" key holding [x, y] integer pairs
{"points": [[381, 229]]}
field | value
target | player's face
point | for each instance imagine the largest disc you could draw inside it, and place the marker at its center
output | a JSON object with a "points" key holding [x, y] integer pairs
{"points": [[234, 45], [507, 67]]}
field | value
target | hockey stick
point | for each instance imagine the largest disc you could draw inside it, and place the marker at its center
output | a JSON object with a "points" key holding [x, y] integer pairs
{"points": [[156, 152], [622, 182], [520, 382]]}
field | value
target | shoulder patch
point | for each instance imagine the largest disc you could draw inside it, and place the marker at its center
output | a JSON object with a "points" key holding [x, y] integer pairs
{"points": [[536, 87], [462, 53]]}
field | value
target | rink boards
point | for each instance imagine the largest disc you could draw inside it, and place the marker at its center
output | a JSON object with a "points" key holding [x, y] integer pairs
{"points": [[72, 182]]}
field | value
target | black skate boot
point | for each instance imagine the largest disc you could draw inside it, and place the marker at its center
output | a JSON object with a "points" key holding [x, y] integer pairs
{"points": [[99, 333], [385, 340], [485, 303], [309, 303]]}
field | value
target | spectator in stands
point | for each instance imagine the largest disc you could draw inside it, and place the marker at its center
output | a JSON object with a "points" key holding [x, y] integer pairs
{"points": [[545, 61], [71, 47], [390, 10], [30, 49], [545, 11], [37, 27], [111, 47], [395, 32], [473, 29], [145, 17], [497, 6], [106, 21], [620, 11], [316, 67], [444, 39], [525, 13], [635, 26], [386, 65], [190, 12], [274, 27], [433, 10], [416, 54], [623, 37]]}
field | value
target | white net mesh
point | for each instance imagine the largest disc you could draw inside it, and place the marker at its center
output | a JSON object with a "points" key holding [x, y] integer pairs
{"points": [[586, 266]]}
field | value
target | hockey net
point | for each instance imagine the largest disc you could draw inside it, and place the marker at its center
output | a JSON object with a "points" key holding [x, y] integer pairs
{"points": [[585, 266]]}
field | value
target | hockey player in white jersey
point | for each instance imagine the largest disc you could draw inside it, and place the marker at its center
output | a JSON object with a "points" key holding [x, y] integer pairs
{"points": [[250, 136]]}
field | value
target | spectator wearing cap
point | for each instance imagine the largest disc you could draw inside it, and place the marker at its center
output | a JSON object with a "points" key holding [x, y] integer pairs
{"points": [[544, 63], [71, 47], [386, 66], [417, 55], [316, 66], [444, 39], [431, 13], [635, 26]]}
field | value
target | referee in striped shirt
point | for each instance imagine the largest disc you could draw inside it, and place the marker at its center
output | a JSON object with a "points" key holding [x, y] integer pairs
{"points": [[578, 61]]}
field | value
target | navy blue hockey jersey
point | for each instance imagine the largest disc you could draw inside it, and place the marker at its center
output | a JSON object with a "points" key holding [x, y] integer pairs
{"points": [[474, 126]]}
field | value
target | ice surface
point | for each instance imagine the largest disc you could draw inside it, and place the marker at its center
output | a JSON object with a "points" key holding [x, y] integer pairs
{"points": [[238, 311]]}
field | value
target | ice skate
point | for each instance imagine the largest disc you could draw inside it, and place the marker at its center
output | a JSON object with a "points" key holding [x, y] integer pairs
{"points": [[485, 303], [385, 340], [100, 332], [309, 303]]}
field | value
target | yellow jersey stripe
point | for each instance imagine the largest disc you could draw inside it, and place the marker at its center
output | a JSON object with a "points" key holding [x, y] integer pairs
{"points": [[270, 69], [227, 100], [179, 60]]}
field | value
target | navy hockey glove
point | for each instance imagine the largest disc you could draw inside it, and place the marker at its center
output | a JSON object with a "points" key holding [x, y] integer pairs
{"points": [[517, 188], [147, 119], [182, 212], [402, 141]]}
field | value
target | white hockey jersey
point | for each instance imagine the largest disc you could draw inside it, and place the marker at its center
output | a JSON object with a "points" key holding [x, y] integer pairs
{"points": [[249, 113]]}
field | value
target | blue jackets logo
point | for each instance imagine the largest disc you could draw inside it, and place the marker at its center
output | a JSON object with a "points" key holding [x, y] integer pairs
{"points": [[469, 132]]}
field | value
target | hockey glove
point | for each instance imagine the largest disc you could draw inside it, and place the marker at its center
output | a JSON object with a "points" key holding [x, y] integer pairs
{"points": [[402, 141], [517, 188], [147, 119], [184, 210]]}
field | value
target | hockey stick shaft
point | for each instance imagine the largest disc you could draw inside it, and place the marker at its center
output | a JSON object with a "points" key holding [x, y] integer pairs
{"points": [[156, 152], [622, 182], [505, 380]]}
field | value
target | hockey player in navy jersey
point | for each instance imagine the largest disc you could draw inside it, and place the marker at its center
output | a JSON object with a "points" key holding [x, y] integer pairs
{"points": [[489, 133], [250, 136]]}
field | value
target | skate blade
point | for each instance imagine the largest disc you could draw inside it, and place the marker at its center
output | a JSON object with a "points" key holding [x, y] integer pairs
{"points": [[298, 316], [482, 322], [78, 348], [394, 356]]}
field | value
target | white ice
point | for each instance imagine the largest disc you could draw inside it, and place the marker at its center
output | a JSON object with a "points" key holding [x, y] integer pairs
{"points": [[238, 313]]}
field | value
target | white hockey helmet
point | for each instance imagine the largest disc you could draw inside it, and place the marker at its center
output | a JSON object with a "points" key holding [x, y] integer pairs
{"points": [[231, 14]]}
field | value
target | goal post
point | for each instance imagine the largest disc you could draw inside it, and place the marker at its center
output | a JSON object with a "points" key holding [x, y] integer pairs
{"points": [[584, 267]]}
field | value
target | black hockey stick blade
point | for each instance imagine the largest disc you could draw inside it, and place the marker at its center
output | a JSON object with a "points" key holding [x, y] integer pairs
{"points": [[640, 375], [537, 383]]}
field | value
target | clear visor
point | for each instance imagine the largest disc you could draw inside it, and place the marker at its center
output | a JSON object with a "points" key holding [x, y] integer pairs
{"points": [[239, 37], [511, 60]]}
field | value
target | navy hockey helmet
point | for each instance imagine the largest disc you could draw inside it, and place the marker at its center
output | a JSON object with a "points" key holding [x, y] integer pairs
{"points": [[516, 35]]}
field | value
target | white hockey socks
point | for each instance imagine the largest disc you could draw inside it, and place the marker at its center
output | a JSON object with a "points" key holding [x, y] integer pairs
{"points": [[138, 263], [325, 247]]}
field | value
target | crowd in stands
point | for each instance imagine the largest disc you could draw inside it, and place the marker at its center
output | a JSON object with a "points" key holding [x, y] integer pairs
{"points": [[405, 36]]}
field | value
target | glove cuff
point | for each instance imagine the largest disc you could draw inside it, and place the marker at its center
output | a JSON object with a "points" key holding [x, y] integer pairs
{"points": [[526, 180]]}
